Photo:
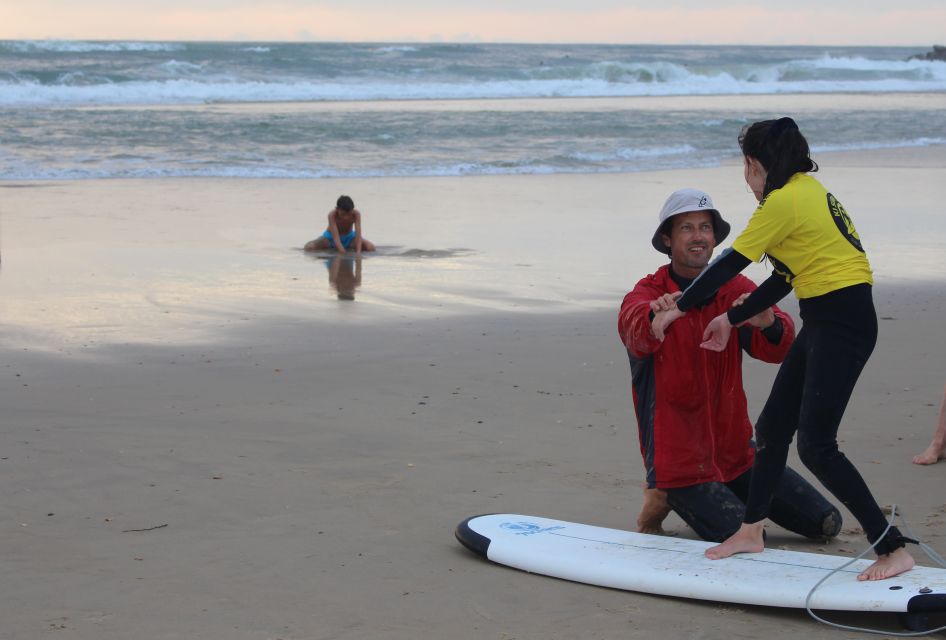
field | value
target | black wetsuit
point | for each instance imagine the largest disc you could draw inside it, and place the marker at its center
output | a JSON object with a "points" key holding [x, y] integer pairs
{"points": [[810, 393]]}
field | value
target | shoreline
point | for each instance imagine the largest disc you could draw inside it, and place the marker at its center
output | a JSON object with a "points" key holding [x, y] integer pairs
{"points": [[814, 101]]}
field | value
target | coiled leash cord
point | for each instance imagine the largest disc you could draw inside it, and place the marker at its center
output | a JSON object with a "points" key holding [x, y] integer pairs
{"points": [[929, 551]]}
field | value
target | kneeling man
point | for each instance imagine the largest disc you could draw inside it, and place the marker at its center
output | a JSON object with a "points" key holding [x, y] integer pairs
{"points": [[692, 417]]}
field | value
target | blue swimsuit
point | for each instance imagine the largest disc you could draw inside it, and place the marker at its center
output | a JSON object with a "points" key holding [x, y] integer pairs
{"points": [[347, 239]]}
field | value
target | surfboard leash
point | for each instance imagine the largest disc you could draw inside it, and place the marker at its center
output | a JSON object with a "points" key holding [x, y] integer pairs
{"points": [[928, 550]]}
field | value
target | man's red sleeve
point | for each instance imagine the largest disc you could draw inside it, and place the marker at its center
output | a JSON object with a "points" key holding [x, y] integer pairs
{"points": [[634, 319]]}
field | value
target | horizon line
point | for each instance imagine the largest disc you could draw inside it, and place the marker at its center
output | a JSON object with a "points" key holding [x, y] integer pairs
{"points": [[930, 46]]}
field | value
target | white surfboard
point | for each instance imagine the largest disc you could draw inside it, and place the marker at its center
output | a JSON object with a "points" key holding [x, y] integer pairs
{"points": [[676, 567]]}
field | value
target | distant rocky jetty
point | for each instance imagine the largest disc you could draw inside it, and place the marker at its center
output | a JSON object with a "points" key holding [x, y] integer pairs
{"points": [[938, 53]]}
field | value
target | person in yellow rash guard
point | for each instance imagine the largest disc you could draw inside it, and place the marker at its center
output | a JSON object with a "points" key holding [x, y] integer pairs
{"points": [[814, 248], [808, 237]]}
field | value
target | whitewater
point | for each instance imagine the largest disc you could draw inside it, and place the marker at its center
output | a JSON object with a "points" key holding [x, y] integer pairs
{"points": [[78, 109]]}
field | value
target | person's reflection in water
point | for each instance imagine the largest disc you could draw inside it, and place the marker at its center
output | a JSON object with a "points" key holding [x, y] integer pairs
{"points": [[344, 274]]}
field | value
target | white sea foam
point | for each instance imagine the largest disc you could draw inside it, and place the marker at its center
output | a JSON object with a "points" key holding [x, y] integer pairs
{"points": [[195, 91], [227, 73], [81, 46], [178, 67], [634, 153], [867, 146], [396, 49], [868, 64], [47, 138]]}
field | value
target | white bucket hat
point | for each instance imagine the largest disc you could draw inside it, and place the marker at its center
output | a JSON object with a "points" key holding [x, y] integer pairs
{"points": [[688, 201]]}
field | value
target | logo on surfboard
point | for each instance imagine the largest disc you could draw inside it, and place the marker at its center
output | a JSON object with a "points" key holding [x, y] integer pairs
{"points": [[527, 528]]}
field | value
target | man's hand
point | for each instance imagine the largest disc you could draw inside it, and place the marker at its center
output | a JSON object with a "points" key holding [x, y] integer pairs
{"points": [[761, 320], [716, 335], [666, 302], [665, 312], [663, 320]]}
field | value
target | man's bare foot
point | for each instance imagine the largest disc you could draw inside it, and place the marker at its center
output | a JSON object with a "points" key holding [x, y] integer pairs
{"points": [[747, 540], [933, 454], [888, 566], [653, 512], [654, 530]]}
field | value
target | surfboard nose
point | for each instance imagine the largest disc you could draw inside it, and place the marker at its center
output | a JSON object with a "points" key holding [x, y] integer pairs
{"points": [[475, 542]]}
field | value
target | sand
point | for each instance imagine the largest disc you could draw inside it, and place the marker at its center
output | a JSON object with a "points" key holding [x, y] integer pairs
{"points": [[201, 440]]}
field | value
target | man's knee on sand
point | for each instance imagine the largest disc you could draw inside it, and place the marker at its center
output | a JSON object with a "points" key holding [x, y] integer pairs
{"points": [[721, 528], [715, 511], [799, 507], [831, 523], [711, 509]]}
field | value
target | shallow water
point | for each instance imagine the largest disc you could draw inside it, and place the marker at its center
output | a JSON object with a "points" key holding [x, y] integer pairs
{"points": [[167, 261]]}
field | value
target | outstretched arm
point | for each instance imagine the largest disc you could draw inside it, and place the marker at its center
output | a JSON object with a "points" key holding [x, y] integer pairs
{"points": [[663, 312], [641, 310], [762, 299], [762, 320], [716, 335], [766, 336], [719, 272]]}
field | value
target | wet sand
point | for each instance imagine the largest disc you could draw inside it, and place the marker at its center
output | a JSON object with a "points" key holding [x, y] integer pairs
{"points": [[201, 440]]}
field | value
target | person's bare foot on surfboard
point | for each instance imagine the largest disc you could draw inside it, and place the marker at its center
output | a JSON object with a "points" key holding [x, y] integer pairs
{"points": [[933, 454], [747, 540], [888, 566], [653, 512]]}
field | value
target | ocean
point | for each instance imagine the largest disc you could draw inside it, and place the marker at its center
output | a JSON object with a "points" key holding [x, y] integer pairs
{"points": [[80, 110]]}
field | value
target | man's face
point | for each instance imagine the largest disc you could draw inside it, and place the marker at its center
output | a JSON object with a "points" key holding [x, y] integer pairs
{"points": [[691, 242]]}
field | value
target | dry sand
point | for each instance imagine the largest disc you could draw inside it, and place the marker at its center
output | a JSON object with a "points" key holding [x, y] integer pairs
{"points": [[200, 441]]}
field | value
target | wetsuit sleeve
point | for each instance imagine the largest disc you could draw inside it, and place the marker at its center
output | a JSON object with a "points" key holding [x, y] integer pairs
{"points": [[719, 272], [774, 332], [762, 344], [769, 292]]}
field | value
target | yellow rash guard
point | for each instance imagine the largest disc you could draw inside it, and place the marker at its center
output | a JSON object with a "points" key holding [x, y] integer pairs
{"points": [[808, 237]]}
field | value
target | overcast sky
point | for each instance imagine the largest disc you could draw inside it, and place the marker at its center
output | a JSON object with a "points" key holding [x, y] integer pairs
{"points": [[825, 22]]}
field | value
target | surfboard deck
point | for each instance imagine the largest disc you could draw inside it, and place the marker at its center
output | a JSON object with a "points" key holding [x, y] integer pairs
{"points": [[677, 567]]}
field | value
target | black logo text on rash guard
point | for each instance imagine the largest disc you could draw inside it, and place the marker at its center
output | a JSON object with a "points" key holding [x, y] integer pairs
{"points": [[843, 222]]}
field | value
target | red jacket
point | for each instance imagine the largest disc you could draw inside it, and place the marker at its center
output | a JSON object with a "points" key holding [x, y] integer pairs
{"points": [[690, 404]]}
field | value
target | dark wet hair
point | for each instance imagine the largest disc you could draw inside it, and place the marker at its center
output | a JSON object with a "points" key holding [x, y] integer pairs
{"points": [[780, 147], [345, 203]]}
